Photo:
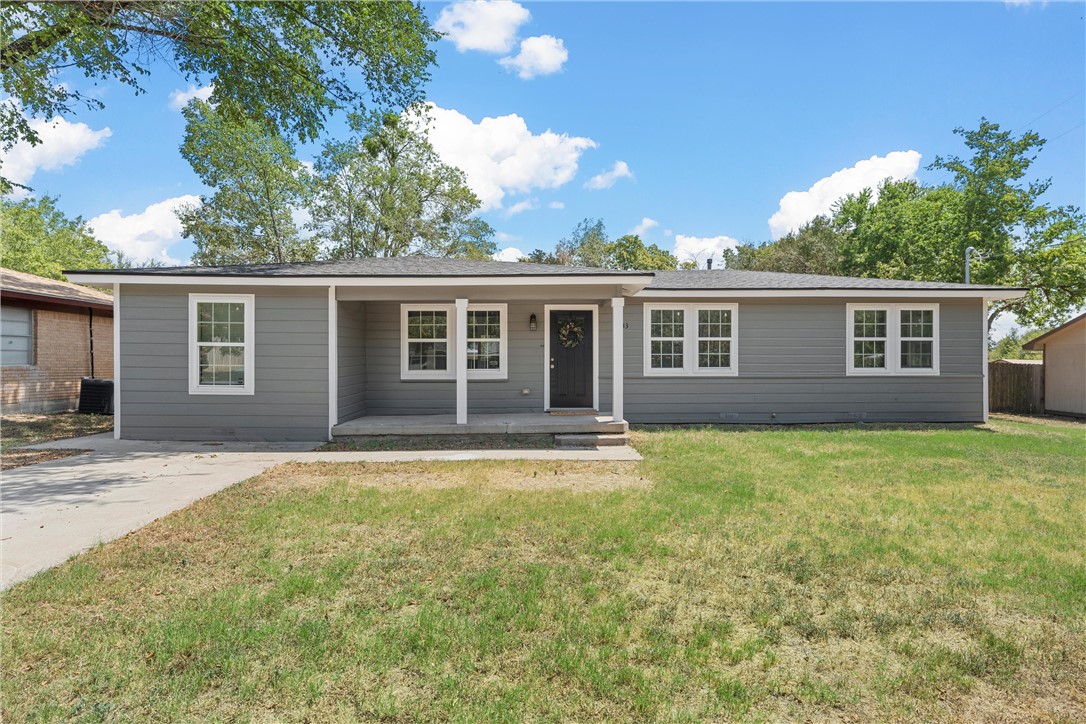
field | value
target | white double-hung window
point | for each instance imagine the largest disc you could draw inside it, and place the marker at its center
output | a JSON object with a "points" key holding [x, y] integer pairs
{"points": [[428, 335], [221, 347], [893, 339], [691, 339]]}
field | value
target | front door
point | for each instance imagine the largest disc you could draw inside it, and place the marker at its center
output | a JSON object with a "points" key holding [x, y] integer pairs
{"points": [[571, 358]]}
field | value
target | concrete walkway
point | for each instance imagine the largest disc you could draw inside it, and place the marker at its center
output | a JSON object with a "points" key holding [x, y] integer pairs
{"points": [[52, 511]]}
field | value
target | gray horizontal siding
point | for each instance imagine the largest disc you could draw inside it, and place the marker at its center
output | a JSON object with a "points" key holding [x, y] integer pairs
{"points": [[792, 369], [290, 401], [351, 373]]}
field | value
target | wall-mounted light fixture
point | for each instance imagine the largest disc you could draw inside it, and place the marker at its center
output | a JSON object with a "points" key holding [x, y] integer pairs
{"points": [[531, 323]]}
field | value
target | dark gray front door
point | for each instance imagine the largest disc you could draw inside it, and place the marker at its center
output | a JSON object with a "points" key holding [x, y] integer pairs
{"points": [[571, 358]]}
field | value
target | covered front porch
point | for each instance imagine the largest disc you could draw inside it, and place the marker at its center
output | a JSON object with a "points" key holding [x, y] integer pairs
{"points": [[472, 356]]}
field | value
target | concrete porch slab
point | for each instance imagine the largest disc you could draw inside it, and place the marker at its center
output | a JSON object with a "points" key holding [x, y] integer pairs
{"points": [[514, 424]]}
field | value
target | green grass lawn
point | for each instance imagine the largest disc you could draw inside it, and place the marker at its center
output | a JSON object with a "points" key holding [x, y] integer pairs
{"points": [[841, 572]]}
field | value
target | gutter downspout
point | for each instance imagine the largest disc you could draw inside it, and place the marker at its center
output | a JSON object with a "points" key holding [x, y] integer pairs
{"points": [[90, 328]]}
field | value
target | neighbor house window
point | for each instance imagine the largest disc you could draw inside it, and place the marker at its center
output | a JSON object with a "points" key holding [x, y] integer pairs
{"points": [[690, 339], [221, 357], [893, 339], [17, 341], [428, 341]]}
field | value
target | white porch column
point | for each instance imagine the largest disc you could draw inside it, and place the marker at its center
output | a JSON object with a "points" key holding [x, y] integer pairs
{"points": [[117, 361], [333, 359], [617, 350], [461, 361]]}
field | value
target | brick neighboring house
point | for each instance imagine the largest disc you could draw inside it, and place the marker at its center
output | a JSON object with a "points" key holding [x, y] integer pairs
{"points": [[53, 334]]}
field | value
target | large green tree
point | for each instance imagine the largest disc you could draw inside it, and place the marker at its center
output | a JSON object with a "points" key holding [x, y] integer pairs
{"points": [[589, 245], [385, 192], [287, 65], [259, 185], [37, 238], [921, 232], [814, 249]]}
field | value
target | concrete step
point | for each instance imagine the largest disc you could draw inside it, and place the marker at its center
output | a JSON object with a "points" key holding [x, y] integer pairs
{"points": [[583, 440]]}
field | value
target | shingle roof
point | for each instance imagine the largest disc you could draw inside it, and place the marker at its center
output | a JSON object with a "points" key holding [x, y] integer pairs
{"points": [[420, 266], [50, 289], [696, 279], [403, 266]]}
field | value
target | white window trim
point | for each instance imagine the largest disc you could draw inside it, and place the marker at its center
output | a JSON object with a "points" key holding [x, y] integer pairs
{"points": [[893, 341], [502, 373], [249, 345], [30, 335], [690, 342]]}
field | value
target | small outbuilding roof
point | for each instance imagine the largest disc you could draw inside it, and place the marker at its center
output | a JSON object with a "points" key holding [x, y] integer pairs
{"points": [[16, 285], [1039, 342]]}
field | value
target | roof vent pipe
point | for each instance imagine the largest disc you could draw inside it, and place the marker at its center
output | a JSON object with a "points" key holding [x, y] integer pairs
{"points": [[709, 263]]}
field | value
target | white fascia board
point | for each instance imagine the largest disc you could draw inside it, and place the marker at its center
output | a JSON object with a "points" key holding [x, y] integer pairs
{"points": [[828, 293], [108, 280]]}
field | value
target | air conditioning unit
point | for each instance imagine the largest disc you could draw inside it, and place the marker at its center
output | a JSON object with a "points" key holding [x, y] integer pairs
{"points": [[96, 396]]}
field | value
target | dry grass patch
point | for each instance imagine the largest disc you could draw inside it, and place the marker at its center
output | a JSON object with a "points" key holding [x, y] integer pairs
{"points": [[478, 475], [17, 431], [845, 573]]}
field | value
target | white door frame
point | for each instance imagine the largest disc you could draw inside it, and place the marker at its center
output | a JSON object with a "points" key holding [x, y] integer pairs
{"points": [[595, 309]]}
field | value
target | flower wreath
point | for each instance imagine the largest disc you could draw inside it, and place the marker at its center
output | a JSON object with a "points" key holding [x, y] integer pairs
{"points": [[570, 334]]}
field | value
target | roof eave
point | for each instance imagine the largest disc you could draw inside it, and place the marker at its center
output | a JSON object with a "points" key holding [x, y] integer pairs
{"points": [[978, 293], [104, 278]]}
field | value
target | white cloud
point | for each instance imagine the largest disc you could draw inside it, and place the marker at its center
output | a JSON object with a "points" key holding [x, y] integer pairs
{"points": [[644, 226], [510, 253], [144, 235], [539, 55], [799, 207], [501, 156], [521, 206], [180, 98], [504, 238], [607, 179], [700, 248], [487, 25], [556, 205], [62, 144]]}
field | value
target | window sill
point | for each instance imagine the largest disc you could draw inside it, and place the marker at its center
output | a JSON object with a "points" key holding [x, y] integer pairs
{"points": [[892, 373], [692, 375], [221, 391], [452, 378]]}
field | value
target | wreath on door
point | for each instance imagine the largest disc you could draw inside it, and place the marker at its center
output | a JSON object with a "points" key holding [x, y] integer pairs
{"points": [[570, 334]]}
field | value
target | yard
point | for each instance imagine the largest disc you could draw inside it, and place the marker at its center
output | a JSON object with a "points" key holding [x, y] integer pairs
{"points": [[17, 431], [838, 572]]}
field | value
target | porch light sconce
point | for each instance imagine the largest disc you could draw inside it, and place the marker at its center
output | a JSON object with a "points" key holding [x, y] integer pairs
{"points": [[531, 323]]}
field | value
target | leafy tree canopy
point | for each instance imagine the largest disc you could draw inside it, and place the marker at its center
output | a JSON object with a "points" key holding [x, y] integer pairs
{"points": [[284, 64], [814, 249], [39, 239], [589, 245], [385, 192], [259, 186], [919, 232], [1010, 347]]}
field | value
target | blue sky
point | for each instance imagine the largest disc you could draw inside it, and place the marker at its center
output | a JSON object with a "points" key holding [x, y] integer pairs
{"points": [[700, 122]]}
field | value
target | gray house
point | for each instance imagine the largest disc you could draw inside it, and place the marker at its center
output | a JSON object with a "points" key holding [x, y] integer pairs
{"points": [[418, 345]]}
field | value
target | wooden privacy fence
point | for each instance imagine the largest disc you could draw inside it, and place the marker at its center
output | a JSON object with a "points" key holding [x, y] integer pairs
{"points": [[1016, 386]]}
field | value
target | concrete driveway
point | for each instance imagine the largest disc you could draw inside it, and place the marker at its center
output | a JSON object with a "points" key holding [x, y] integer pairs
{"points": [[52, 511]]}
